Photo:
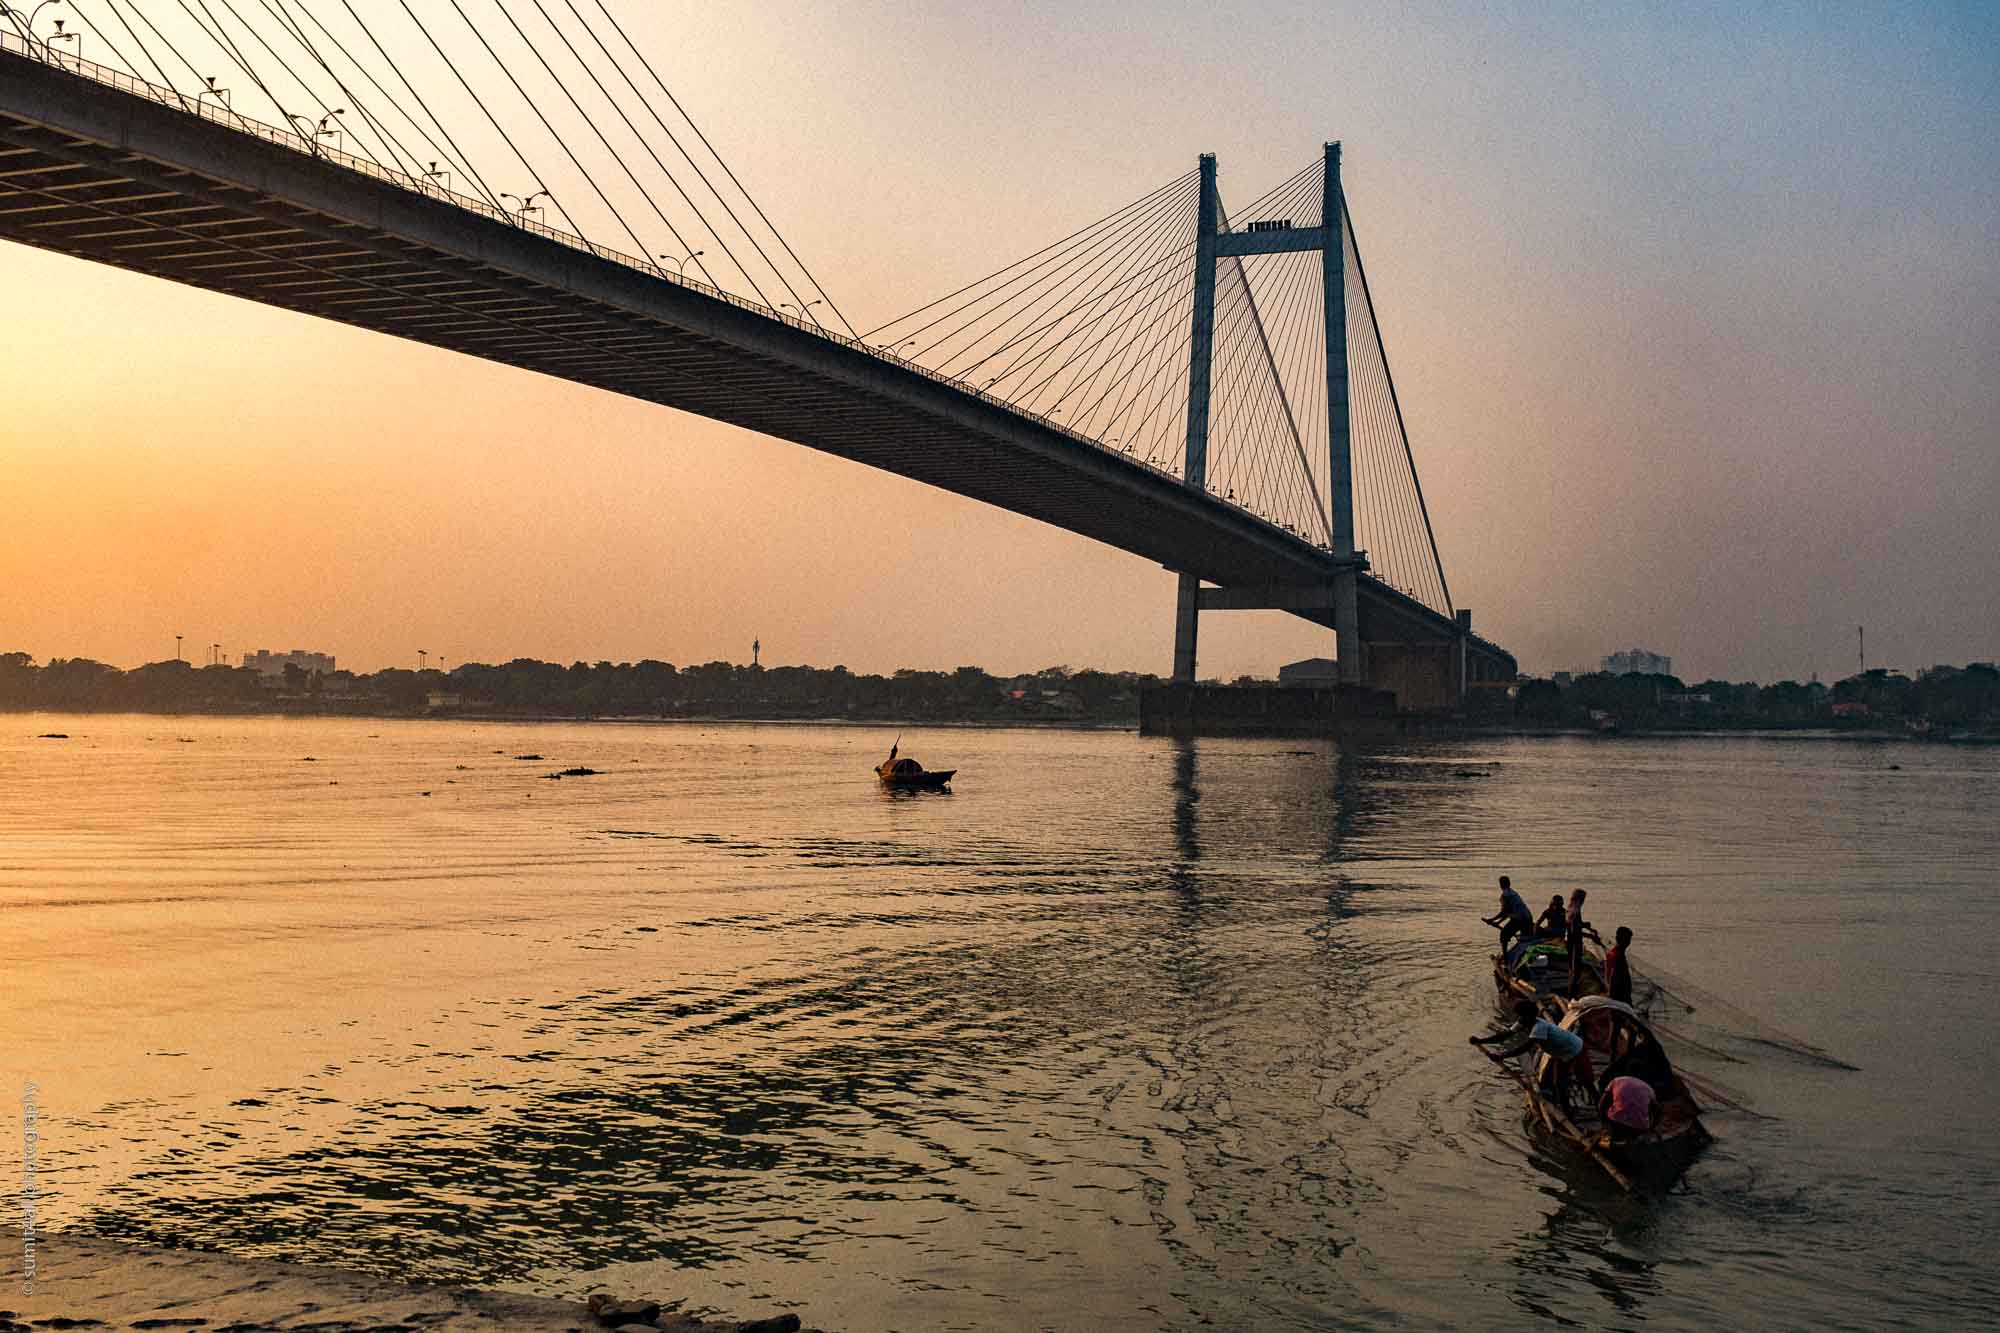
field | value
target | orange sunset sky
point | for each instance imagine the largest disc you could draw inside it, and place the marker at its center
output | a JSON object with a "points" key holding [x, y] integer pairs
{"points": [[1695, 313]]}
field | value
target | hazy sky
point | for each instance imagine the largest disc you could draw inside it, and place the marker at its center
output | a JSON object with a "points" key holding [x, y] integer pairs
{"points": [[1695, 312]]}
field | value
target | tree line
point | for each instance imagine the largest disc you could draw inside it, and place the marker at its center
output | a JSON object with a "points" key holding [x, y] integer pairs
{"points": [[525, 687], [1944, 696], [1949, 697]]}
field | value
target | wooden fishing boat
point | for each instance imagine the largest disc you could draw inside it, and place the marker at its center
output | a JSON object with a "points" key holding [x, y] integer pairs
{"points": [[1618, 1042], [910, 775]]}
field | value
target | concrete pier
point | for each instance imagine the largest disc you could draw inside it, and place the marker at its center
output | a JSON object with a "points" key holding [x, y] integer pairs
{"points": [[1181, 709]]}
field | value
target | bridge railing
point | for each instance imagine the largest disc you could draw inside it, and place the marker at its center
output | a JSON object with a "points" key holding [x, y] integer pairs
{"points": [[211, 106]]}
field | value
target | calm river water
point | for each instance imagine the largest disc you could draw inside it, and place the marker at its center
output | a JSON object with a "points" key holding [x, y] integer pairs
{"points": [[1118, 1034]]}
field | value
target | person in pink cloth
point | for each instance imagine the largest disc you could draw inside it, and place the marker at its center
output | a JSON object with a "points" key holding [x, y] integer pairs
{"points": [[1628, 1107]]}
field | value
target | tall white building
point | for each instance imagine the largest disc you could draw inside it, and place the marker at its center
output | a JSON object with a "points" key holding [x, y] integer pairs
{"points": [[1639, 662], [274, 664]]}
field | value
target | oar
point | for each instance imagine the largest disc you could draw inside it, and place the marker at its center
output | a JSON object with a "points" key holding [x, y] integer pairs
{"points": [[1562, 1124]]}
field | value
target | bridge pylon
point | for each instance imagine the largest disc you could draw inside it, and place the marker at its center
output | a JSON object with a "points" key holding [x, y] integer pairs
{"points": [[1212, 244]]}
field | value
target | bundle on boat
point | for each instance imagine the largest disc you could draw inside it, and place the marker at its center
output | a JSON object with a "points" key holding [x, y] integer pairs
{"points": [[1539, 969]]}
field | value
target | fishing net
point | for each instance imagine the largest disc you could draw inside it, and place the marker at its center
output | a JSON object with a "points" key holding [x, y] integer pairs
{"points": [[1704, 1034]]}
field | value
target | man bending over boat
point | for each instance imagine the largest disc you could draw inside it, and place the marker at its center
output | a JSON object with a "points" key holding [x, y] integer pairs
{"points": [[1513, 918], [1565, 1048], [1628, 1107]]}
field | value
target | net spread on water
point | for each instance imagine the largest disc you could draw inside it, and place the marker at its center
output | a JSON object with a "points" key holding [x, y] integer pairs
{"points": [[1702, 1031]]}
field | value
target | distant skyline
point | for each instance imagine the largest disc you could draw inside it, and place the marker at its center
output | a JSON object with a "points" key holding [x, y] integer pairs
{"points": [[1695, 312]]}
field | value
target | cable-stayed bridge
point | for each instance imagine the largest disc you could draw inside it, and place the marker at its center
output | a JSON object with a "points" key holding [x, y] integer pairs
{"points": [[1203, 389]]}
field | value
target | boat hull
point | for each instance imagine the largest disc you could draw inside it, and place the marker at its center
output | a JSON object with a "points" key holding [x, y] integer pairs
{"points": [[926, 781]]}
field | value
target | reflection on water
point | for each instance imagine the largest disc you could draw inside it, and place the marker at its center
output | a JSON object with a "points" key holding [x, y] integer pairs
{"points": [[1121, 1031]]}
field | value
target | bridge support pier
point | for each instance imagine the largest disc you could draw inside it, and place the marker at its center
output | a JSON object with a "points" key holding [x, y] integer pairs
{"points": [[1187, 627]]}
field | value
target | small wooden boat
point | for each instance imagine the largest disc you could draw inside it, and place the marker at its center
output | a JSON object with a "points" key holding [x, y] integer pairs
{"points": [[908, 773], [1618, 1042]]}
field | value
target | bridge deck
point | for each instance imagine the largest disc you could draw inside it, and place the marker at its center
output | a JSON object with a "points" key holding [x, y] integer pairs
{"points": [[113, 176]]}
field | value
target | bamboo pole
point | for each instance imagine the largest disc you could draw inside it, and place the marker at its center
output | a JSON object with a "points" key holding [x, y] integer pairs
{"points": [[1562, 1125]]}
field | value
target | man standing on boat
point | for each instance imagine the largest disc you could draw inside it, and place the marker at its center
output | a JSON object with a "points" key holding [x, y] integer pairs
{"points": [[1618, 968], [1513, 918], [1573, 942]]}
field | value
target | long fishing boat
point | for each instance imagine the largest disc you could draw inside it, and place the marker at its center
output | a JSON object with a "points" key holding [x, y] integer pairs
{"points": [[1619, 1043]]}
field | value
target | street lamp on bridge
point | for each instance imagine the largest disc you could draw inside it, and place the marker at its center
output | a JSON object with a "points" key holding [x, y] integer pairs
{"points": [[60, 36], [27, 25], [327, 130], [221, 95], [805, 311], [528, 204], [680, 262]]}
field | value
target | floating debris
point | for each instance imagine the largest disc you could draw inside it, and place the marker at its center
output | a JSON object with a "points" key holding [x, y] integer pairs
{"points": [[612, 1312], [53, 736], [523, 756]]}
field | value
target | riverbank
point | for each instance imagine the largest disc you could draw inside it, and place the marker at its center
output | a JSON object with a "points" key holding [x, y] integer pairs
{"points": [[84, 1281], [1442, 728]]}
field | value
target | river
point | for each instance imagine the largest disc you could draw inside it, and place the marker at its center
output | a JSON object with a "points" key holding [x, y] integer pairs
{"points": [[1118, 1033]]}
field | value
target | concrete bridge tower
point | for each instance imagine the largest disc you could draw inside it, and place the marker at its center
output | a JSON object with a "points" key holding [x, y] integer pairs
{"points": [[1211, 244]]}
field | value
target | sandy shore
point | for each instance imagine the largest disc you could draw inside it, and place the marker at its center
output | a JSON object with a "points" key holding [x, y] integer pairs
{"points": [[83, 1282]]}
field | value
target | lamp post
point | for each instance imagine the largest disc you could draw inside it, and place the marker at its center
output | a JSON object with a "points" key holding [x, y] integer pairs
{"points": [[28, 24], [805, 311], [60, 36], [220, 94], [680, 264], [327, 129], [422, 661], [177, 647], [528, 204]]}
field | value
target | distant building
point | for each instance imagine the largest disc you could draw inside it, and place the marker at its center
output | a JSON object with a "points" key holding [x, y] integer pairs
{"points": [[1639, 662], [274, 664], [1311, 671], [1563, 679]]}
